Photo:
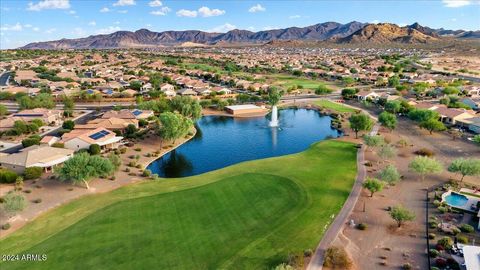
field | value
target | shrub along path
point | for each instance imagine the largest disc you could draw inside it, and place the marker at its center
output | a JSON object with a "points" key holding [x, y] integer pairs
{"points": [[247, 216]]}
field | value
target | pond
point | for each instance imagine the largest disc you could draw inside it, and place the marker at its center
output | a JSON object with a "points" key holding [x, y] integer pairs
{"points": [[223, 141]]}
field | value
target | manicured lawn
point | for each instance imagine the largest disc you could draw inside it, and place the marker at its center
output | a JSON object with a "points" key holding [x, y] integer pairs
{"points": [[327, 104], [287, 81], [247, 216]]}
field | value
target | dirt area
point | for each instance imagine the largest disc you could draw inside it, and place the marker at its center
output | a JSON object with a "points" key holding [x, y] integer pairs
{"points": [[382, 245], [54, 193]]}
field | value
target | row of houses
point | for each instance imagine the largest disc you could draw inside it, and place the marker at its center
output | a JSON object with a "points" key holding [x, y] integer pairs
{"points": [[102, 131]]}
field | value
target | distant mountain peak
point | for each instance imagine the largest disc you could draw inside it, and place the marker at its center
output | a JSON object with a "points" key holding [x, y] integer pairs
{"points": [[353, 31]]}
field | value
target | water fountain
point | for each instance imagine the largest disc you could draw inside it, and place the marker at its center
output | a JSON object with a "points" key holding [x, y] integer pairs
{"points": [[274, 120]]}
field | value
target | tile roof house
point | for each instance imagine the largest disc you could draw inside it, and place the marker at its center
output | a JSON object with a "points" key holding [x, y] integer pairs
{"points": [[128, 114], [112, 123], [36, 156], [82, 138], [451, 116]]}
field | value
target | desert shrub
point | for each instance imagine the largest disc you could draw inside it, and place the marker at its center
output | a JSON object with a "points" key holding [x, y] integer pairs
{"points": [[307, 253], [123, 150], [37, 200], [462, 239], [336, 257], [467, 228], [445, 242], [424, 152], [27, 191], [440, 262], [284, 266], [139, 166], [362, 226], [58, 145], [407, 266], [14, 202], [127, 169], [7, 176], [131, 164], [33, 173], [138, 149], [433, 253], [6, 226], [431, 236], [437, 203], [442, 209], [455, 231], [147, 173]]}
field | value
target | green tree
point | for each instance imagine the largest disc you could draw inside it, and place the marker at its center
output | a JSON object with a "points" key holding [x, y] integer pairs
{"points": [[401, 215], [68, 106], [373, 185], [390, 175], [433, 125], [130, 131], [82, 167], [393, 106], [94, 149], [360, 122], [469, 166], [3, 110], [323, 90], [393, 81], [476, 139], [388, 120], [425, 165], [115, 160], [173, 126], [186, 106], [348, 93], [420, 115], [136, 85], [274, 96], [14, 202], [32, 140], [69, 124]]}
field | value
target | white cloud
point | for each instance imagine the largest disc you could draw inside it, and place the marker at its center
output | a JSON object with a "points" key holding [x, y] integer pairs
{"points": [[122, 3], [155, 3], [16, 27], [49, 4], [375, 21], [148, 25], [107, 30], [123, 11], [207, 12], [268, 27], [72, 12], [27, 25], [104, 10], [116, 22], [251, 28], [223, 28], [456, 3], [36, 29], [453, 19], [79, 32], [294, 17], [187, 13], [92, 23], [161, 12], [50, 31], [257, 8]]}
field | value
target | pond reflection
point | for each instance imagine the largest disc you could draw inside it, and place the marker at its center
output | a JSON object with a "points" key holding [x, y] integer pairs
{"points": [[222, 141]]}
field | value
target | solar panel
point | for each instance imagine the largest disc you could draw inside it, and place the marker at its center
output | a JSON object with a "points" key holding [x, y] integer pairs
{"points": [[137, 112], [98, 135]]}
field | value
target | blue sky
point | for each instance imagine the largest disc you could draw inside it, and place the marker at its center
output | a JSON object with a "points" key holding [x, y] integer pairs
{"points": [[27, 21]]}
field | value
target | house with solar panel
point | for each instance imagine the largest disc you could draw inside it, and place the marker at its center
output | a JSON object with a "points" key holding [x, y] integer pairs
{"points": [[112, 123], [128, 114], [78, 139]]}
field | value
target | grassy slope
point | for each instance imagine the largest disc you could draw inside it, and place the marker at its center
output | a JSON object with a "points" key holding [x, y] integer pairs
{"points": [[327, 104], [258, 213]]}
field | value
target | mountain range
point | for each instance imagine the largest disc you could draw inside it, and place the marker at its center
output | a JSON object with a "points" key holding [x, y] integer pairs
{"points": [[353, 32]]}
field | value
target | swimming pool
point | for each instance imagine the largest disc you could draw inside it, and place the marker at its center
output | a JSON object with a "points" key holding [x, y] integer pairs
{"points": [[456, 200]]}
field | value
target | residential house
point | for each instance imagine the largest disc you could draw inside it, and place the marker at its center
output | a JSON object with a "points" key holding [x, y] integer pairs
{"points": [[451, 116], [49, 140], [42, 156], [128, 114], [112, 123], [474, 104], [367, 95], [186, 92], [78, 139]]}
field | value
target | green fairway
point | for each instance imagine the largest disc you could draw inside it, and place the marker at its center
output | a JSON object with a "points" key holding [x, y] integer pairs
{"points": [[287, 81], [327, 104], [247, 216]]}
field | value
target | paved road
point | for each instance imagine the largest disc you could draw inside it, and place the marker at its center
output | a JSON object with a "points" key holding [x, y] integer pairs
{"points": [[341, 219]]}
